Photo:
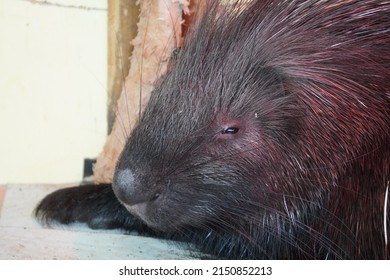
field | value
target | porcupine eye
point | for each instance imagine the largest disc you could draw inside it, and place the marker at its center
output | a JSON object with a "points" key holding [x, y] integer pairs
{"points": [[230, 130]]}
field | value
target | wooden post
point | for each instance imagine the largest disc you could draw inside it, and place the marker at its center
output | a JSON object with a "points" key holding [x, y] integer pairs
{"points": [[159, 32]]}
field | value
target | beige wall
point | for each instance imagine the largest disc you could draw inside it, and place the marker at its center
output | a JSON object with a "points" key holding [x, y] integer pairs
{"points": [[53, 62]]}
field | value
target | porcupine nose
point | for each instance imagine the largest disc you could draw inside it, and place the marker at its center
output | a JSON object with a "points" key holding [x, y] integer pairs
{"points": [[130, 190]]}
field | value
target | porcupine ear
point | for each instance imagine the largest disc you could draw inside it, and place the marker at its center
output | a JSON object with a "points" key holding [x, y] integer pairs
{"points": [[173, 58]]}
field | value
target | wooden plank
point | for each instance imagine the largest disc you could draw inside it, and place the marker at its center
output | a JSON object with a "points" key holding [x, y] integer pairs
{"points": [[35, 243], [2, 194]]}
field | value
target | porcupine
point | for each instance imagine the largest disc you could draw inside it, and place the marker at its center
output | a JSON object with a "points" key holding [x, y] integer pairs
{"points": [[268, 137]]}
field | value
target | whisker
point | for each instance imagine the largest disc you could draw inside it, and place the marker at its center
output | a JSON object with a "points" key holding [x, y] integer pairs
{"points": [[124, 89]]}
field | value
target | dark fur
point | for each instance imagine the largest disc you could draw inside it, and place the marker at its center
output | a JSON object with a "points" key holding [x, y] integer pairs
{"points": [[267, 138]]}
